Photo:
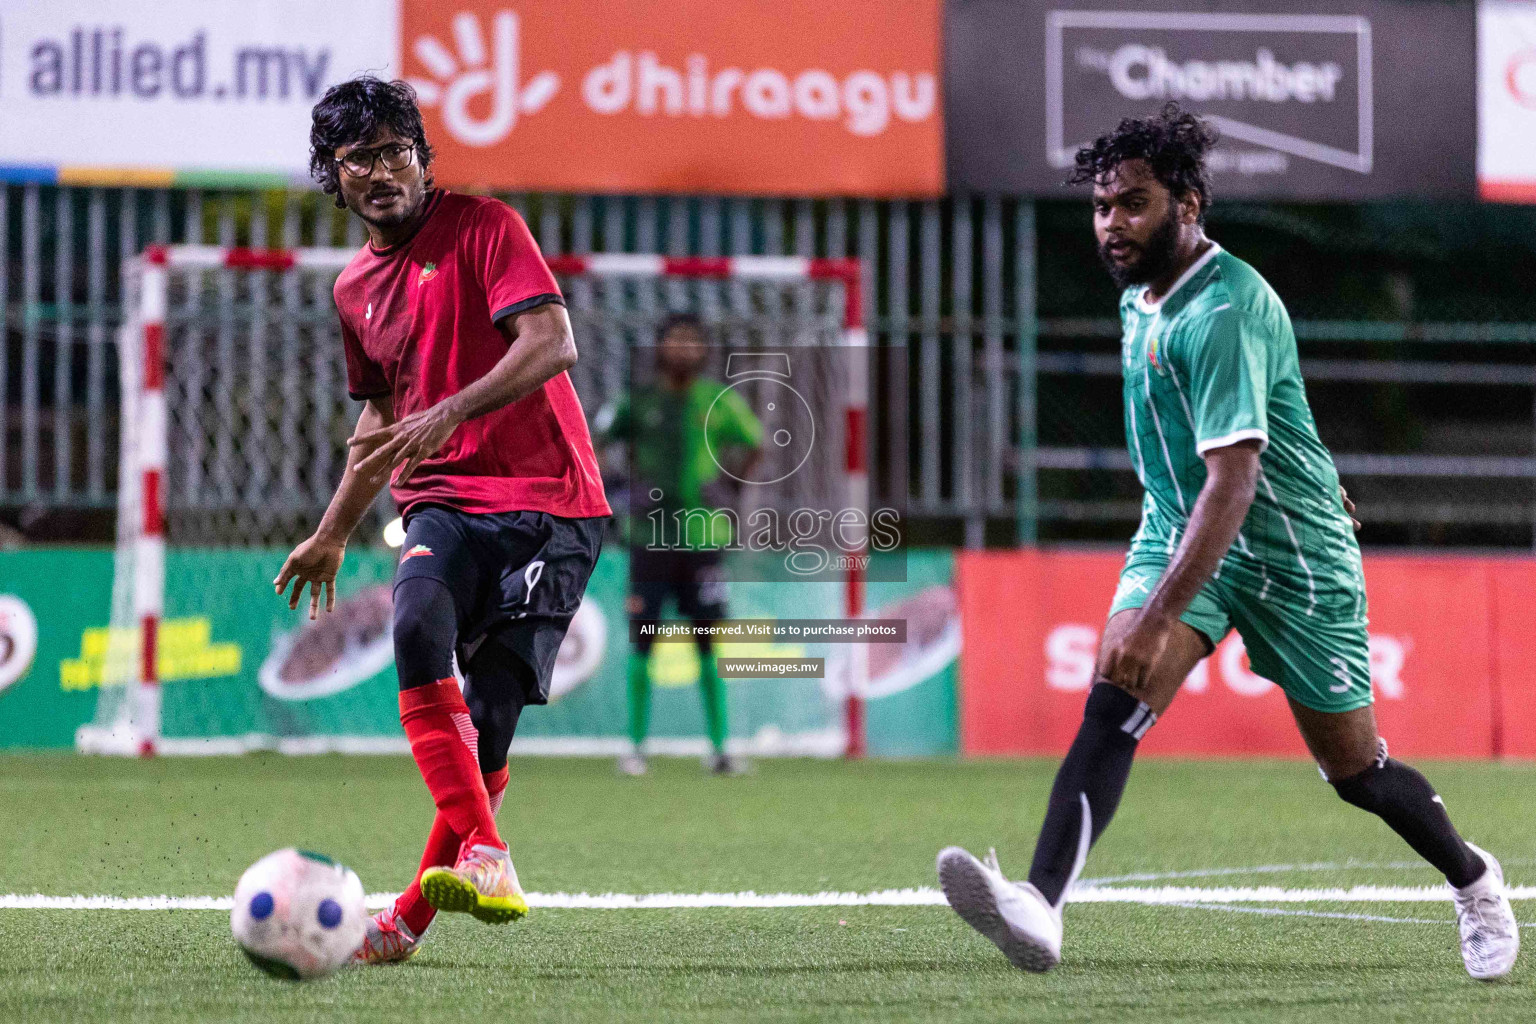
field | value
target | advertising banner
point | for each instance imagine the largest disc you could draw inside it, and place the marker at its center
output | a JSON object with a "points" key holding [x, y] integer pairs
{"points": [[1444, 684], [1340, 102], [1506, 100], [1513, 654], [178, 91], [241, 671], [47, 600], [794, 98]]}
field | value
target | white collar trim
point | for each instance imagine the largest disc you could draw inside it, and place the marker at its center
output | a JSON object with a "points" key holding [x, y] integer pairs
{"points": [[1154, 307]]}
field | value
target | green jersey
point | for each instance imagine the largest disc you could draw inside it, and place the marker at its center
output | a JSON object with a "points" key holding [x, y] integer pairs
{"points": [[1214, 363], [674, 438]]}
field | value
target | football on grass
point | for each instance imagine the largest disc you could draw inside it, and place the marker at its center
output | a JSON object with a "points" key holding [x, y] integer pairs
{"points": [[298, 915]]}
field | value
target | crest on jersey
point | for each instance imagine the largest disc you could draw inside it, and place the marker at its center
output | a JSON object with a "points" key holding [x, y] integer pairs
{"points": [[428, 272], [1154, 354]]}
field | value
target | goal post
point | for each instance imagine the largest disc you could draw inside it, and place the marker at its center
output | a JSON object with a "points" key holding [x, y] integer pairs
{"points": [[854, 338], [212, 455]]}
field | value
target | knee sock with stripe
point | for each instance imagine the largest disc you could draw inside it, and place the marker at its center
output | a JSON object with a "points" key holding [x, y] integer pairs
{"points": [[1088, 787], [1404, 799], [444, 744]]}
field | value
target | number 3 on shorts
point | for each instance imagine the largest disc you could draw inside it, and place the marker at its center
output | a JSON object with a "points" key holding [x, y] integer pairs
{"points": [[1341, 673]]}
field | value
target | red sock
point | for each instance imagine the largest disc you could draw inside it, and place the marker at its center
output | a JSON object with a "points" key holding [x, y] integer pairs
{"points": [[496, 786], [443, 740], [442, 849]]}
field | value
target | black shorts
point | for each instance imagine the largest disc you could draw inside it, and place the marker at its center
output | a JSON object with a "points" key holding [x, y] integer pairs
{"points": [[695, 579], [515, 577]]}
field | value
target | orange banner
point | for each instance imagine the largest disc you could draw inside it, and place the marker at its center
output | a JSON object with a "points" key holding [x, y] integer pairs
{"points": [[787, 98], [1452, 640]]}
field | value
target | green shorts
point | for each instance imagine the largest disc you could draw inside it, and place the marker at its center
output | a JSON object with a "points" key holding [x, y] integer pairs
{"points": [[1314, 648]]}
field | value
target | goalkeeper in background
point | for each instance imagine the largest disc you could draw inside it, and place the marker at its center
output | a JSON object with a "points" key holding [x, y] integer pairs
{"points": [[687, 436]]}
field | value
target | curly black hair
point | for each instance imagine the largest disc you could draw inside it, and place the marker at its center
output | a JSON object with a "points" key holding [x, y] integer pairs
{"points": [[1173, 143], [352, 112]]}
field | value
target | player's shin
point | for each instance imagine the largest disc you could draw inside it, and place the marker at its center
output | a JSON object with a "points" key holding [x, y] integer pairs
{"points": [[495, 693], [712, 689], [1403, 798], [639, 682], [432, 710], [442, 850], [1088, 787], [443, 742]]}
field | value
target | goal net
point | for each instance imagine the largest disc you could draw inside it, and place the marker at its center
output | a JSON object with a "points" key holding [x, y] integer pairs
{"points": [[235, 417]]}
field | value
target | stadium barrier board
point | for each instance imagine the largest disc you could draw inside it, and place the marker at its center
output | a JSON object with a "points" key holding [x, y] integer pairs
{"points": [[239, 671], [1452, 640]]}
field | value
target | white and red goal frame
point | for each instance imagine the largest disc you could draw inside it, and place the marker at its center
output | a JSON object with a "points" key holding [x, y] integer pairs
{"points": [[152, 443]]}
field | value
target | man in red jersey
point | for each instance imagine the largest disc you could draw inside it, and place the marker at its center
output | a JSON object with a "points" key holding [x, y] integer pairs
{"points": [[458, 341]]}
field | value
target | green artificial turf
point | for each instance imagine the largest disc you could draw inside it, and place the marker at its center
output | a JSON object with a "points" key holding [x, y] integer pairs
{"points": [[72, 825]]}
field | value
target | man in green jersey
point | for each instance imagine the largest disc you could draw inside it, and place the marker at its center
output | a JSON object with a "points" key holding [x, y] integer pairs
{"points": [[687, 435], [1244, 526]]}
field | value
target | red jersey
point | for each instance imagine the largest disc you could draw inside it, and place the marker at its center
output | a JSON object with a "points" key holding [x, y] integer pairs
{"points": [[419, 324]]}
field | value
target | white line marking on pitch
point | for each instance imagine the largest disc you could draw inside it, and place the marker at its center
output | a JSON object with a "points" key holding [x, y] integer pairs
{"points": [[1273, 869], [1260, 869], [1168, 895], [1174, 894], [1278, 912]]}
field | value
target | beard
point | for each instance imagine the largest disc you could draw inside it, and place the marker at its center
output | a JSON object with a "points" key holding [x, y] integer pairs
{"points": [[1157, 255], [404, 208]]}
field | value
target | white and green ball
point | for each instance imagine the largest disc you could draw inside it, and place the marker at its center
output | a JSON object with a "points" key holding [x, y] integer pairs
{"points": [[298, 915]]}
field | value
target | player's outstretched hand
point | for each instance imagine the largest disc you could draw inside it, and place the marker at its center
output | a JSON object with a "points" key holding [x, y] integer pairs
{"points": [[409, 441], [1349, 507], [316, 563]]}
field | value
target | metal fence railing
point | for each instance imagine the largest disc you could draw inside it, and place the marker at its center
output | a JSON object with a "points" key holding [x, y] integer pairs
{"points": [[935, 271], [1473, 479], [952, 283]]}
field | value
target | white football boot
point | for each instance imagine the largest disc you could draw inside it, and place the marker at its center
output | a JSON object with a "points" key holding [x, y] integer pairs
{"points": [[387, 939], [1013, 915], [1490, 938]]}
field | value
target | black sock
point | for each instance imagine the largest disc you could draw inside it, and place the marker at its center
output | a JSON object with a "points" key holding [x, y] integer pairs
{"points": [[1096, 768], [1404, 799], [496, 689]]}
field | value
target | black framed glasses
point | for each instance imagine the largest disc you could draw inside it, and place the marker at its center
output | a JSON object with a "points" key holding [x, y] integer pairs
{"points": [[359, 162]]}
